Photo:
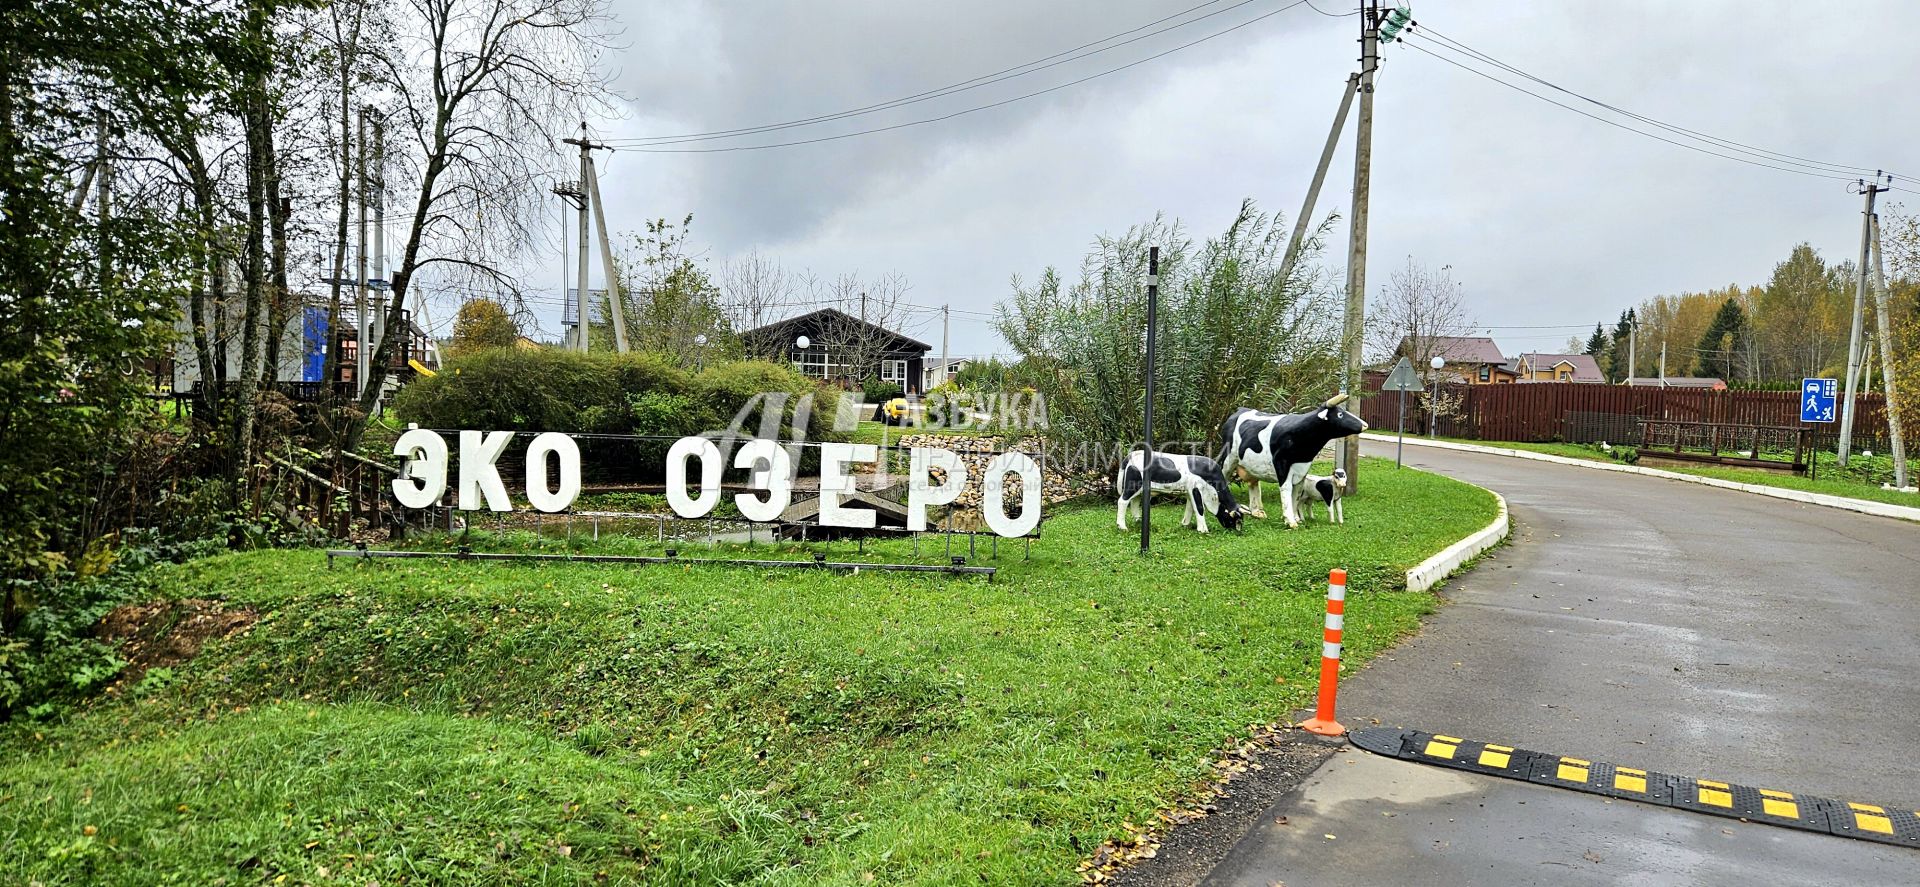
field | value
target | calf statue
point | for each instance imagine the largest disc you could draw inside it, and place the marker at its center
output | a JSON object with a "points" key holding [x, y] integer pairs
{"points": [[1327, 490], [1280, 447], [1197, 478]]}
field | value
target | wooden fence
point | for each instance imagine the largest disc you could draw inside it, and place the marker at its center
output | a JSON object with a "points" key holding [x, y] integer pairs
{"points": [[1541, 411]]}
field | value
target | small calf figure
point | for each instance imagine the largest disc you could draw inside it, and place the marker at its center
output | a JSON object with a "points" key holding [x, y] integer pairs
{"points": [[1325, 489], [1196, 478]]}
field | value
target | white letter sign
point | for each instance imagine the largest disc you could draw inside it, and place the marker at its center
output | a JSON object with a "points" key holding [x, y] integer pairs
{"points": [[424, 478], [775, 478], [836, 484], [921, 463], [478, 475], [994, 509], [569, 456], [677, 476]]}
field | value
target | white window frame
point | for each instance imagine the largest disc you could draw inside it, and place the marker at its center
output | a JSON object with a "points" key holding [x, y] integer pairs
{"points": [[893, 369]]}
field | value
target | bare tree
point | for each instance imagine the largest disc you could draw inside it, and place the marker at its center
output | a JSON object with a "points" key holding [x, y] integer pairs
{"points": [[1415, 310], [871, 313], [753, 291], [482, 90]]}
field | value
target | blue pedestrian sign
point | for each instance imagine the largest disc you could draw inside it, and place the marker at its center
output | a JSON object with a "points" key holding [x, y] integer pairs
{"points": [[1817, 399]]}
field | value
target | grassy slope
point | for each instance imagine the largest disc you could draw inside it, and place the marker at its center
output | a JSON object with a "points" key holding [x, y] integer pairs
{"points": [[443, 722], [1831, 480]]}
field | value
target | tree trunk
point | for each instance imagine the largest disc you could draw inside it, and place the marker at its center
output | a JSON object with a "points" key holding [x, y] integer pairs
{"points": [[259, 136], [283, 302]]}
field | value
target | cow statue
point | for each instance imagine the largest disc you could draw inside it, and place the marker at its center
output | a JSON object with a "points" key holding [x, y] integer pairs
{"points": [[1197, 479], [1280, 447], [1325, 489]]}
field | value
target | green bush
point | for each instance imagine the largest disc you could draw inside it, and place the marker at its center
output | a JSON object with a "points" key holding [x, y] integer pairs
{"points": [[880, 392], [512, 389]]}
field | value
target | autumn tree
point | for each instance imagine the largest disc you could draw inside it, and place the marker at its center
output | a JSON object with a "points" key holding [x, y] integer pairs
{"points": [[482, 324]]}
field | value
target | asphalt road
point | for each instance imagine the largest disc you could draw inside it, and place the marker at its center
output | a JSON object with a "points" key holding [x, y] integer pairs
{"points": [[1644, 622]]}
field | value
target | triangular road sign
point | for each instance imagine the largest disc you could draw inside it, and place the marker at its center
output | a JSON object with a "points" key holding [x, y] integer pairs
{"points": [[1402, 377]]}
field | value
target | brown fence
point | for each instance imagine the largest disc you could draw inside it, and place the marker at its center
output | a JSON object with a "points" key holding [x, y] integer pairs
{"points": [[1542, 411]]}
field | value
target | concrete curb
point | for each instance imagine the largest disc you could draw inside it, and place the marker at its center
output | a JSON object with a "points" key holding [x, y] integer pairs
{"points": [[1434, 570], [1863, 506]]}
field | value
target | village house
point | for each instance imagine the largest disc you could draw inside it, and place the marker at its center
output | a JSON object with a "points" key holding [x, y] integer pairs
{"points": [[1537, 367], [843, 349]]}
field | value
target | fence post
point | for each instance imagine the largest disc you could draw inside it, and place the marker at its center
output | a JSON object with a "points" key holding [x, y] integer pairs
{"points": [[1322, 722]]}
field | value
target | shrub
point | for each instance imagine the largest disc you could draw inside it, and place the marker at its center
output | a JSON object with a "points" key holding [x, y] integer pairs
{"points": [[880, 392], [514, 389]]}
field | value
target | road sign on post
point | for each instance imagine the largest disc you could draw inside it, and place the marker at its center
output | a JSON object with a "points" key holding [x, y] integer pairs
{"points": [[1402, 379], [1817, 399]]}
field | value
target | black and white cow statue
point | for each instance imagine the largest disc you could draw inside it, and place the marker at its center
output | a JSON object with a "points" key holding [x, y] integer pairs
{"points": [[1197, 479], [1280, 447], [1325, 489]]}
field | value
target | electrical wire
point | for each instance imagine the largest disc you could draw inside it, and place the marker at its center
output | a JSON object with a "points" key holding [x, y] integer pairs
{"points": [[1331, 14], [1764, 153], [977, 108], [951, 89], [1414, 45]]}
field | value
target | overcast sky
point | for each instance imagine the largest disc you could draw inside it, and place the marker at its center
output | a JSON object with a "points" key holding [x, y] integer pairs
{"points": [[1546, 217]]}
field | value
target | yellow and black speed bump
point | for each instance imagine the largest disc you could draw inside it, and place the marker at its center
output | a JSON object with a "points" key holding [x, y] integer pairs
{"points": [[1871, 822]]}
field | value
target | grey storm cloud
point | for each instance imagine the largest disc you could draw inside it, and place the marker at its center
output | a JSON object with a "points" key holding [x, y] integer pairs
{"points": [[1547, 217]]}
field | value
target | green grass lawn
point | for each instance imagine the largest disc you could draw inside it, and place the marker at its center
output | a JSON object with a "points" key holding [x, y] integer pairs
{"points": [[482, 723], [1830, 479]]}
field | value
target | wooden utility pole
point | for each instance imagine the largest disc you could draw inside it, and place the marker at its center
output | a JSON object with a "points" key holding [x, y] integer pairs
{"points": [[1319, 178], [1347, 455], [1888, 386], [1871, 190], [946, 362]]}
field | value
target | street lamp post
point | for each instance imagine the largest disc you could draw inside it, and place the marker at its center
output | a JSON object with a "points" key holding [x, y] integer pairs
{"points": [[1433, 405], [700, 351]]}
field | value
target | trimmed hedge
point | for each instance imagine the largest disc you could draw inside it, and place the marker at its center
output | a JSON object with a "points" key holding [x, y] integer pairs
{"points": [[548, 389]]}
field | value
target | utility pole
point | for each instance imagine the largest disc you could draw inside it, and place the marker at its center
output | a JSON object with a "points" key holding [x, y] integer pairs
{"points": [[362, 364], [616, 305], [946, 326], [1633, 341], [1888, 387], [1319, 177], [1663, 363], [573, 194], [1347, 455], [1146, 461], [580, 302], [380, 229], [1871, 190]]}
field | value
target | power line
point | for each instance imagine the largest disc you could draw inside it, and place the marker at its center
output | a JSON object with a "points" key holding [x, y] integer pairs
{"points": [[1458, 46], [966, 111], [1792, 169], [953, 88], [1331, 14]]}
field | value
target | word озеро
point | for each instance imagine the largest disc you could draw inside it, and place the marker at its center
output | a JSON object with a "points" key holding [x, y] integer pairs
{"points": [[424, 478]]}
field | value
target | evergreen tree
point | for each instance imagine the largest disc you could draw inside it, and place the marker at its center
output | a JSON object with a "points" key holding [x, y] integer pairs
{"points": [[1616, 362], [1597, 343], [1719, 349]]}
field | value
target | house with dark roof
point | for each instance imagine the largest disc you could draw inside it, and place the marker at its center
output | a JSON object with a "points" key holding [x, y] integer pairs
{"points": [[842, 349], [1538, 367], [1475, 359]]}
